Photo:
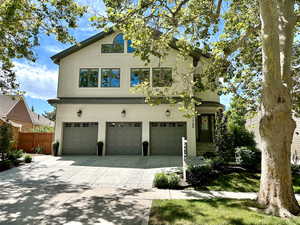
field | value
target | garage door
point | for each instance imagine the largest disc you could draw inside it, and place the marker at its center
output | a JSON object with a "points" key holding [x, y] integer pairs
{"points": [[124, 138], [165, 138], [80, 138]]}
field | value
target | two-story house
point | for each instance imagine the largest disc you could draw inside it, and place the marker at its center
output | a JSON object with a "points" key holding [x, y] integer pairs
{"points": [[94, 101]]}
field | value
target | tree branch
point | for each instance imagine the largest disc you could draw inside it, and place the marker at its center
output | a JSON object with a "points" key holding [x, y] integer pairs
{"points": [[181, 4], [218, 11]]}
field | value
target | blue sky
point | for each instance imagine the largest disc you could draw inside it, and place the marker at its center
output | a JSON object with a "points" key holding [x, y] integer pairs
{"points": [[39, 79]]}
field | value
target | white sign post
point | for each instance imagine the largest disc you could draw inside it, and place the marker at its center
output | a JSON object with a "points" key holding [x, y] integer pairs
{"points": [[184, 154]]}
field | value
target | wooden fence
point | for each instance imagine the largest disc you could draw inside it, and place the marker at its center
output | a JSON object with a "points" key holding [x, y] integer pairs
{"points": [[31, 142]]}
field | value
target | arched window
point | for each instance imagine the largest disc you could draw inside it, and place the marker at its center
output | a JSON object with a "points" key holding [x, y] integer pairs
{"points": [[116, 47]]}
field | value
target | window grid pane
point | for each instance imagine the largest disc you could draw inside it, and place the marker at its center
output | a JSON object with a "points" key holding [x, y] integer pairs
{"points": [[88, 77], [110, 77], [139, 75], [162, 77]]}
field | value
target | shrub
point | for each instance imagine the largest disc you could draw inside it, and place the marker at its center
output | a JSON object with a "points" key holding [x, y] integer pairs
{"points": [[14, 155], [6, 164], [163, 180], [242, 137], [174, 180], [201, 174], [217, 162], [247, 157], [38, 150], [5, 139], [27, 158], [223, 138]]}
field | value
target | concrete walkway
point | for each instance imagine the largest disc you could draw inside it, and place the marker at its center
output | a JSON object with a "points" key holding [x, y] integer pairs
{"points": [[56, 191], [81, 189]]}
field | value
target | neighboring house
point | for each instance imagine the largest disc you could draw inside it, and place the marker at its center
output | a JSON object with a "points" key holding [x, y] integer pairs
{"points": [[95, 103], [14, 109], [252, 125]]}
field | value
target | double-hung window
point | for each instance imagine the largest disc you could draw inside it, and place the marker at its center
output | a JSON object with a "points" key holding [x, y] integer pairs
{"points": [[139, 75], [162, 77], [110, 77], [88, 77]]}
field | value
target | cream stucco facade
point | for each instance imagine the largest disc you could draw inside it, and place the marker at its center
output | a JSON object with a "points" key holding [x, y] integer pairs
{"points": [[91, 57]]}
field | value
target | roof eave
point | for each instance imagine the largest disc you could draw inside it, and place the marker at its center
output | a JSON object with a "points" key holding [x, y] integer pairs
{"points": [[57, 57]]}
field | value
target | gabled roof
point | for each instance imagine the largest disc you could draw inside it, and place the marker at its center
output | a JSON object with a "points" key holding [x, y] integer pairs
{"points": [[81, 45], [57, 57], [7, 103], [40, 120]]}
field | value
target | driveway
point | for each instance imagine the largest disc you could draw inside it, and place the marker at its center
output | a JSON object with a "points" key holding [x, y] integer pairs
{"points": [[77, 190]]}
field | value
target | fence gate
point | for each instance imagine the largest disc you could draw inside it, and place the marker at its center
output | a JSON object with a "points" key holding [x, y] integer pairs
{"points": [[31, 142]]}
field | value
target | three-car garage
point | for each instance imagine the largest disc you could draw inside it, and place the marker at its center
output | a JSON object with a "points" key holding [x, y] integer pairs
{"points": [[123, 138]]}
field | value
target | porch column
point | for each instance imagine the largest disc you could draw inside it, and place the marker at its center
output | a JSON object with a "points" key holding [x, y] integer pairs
{"points": [[191, 137]]}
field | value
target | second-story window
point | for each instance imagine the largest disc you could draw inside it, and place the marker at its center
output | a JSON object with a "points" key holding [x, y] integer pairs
{"points": [[110, 77], [162, 77], [116, 47], [130, 49], [139, 75], [88, 77]]}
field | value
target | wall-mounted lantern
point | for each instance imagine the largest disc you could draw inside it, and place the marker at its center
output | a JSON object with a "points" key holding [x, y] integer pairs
{"points": [[168, 113], [79, 113], [123, 113]]}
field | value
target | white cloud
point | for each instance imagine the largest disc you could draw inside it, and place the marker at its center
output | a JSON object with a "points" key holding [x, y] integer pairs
{"points": [[53, 49], [36, 80]]}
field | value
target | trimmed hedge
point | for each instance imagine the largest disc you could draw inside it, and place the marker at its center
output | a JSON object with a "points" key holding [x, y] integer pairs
{"points": [[163, 180]]}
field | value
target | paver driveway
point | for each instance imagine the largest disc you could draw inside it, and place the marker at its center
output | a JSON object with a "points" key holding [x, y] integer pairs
{"points": [[76, 190]]}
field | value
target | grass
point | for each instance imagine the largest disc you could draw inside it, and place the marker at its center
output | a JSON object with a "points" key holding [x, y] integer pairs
{"points": [[242, 182], [212, 212]]}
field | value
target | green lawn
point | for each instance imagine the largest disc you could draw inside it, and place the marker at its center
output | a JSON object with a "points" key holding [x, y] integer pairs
{"points": [[211, 212], [241, 182]]}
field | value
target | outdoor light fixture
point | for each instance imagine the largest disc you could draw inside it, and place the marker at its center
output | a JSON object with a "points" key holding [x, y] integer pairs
{"points": [[168, 113], [123, 113], [79, 113]]}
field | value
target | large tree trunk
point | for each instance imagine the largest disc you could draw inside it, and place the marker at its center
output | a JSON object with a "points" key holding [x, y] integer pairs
{"points": [[277, 125]]}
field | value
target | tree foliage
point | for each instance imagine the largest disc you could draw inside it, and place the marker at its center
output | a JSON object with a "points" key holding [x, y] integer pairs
{"points": [[22, 22], [50, 115], [223, 139], [253, 54], [228, 31], [5, 139]]}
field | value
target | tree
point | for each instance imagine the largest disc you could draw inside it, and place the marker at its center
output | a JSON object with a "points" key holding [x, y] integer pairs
{"points": [[253, 55], [50, 115], [5, 139], [22, 22], [223, 139]]}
